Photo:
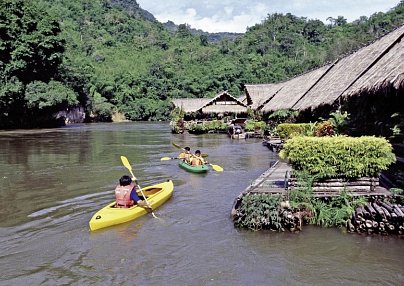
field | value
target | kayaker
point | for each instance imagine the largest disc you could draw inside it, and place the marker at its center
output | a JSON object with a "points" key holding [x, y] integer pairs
{"points": [[185, 154], [197, 159], [126, 195]]}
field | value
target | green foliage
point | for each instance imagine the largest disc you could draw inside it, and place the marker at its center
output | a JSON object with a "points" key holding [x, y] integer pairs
{"points": [[253, 125], [398, 128], [31, 53], [338, 121], [259, 211], [177, 120], [40, 95], [334, 211], [289, 130], [327, 157], [206, 126], [136, 65], [283, 115]]}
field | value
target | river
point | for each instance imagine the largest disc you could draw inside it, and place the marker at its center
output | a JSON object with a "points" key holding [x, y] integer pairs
{"points": [[52, 181]]}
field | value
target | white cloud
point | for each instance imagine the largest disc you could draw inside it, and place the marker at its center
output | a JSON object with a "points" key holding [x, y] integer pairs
{"points": [[236, 15]]}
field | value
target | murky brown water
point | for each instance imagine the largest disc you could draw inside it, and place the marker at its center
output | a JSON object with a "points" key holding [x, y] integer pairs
{"points": [[52, 181]]}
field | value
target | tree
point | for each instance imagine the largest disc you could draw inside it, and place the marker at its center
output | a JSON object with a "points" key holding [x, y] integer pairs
{"points": [[31, 52]]}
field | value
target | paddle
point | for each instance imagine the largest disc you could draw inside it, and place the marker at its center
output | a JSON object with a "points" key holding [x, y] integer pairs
{"points": [[217, 168], [176, 145], [129, 167], [168, 158], [179, 147]]}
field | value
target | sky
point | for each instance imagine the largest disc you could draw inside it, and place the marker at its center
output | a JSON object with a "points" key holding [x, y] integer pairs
{"points": [[236, 15]]}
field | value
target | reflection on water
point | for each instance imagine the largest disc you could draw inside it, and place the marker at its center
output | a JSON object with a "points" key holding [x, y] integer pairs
{"points": [[52, 181]]}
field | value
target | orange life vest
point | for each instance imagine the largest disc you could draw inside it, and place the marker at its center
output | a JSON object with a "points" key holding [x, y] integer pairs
{"points": [[122, 196]]}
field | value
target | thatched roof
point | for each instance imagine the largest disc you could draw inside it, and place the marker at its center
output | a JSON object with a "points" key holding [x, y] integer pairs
{"points": [[190, 104], [261, 93], [351, 69], [389, 70], [294, 89], [222, 103], [372, 67]]}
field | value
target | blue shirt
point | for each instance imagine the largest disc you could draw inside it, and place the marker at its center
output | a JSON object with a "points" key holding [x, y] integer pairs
{"points": [[134, 196]]}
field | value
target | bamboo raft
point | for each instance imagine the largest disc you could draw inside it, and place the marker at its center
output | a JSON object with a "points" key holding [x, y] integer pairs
{"points": [[277, 180]]}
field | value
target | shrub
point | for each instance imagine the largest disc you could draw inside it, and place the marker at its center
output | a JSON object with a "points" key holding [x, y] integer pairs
{"points": [[339, 156], [259, 211], [255, 125], [324, 129], [289, 130]]}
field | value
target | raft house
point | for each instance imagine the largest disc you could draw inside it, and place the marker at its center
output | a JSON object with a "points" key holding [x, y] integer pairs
{"points": [[369, 85], [223, 105]]}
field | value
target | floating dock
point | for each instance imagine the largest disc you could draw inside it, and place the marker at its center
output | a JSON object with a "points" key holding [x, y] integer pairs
{"points": [[278, 180]]}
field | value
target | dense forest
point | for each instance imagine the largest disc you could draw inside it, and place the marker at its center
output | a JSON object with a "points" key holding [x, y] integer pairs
{"points": [[111, 57]]}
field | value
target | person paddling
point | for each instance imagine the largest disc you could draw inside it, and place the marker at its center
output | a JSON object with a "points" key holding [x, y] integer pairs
{"points": [[185, 154], [126, 195], [197, 159]]}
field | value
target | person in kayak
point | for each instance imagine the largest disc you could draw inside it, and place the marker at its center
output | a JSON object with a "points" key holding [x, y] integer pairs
{"points": [[126, 195], [185, 154], [197, 160]]}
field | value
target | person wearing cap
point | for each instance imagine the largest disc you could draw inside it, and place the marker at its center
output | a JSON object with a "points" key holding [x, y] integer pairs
{"points": [[126, 195]]}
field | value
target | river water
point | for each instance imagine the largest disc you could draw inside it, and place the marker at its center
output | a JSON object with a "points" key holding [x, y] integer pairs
{"points": [[53, 181]]}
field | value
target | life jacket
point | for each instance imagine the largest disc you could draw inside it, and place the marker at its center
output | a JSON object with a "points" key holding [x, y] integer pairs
{"points": [[185, 156], [197, 161], [122, 196]]}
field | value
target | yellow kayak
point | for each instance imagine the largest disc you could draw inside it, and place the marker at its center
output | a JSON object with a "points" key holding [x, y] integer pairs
{"points": [[110, 215]]}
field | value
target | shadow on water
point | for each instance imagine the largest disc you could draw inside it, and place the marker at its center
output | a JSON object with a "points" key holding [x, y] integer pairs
{"points": [[52, 181]]}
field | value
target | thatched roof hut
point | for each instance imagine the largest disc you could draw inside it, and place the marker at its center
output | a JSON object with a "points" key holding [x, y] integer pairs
{"points": [[352, 72], [375, 66], [223, 103]]}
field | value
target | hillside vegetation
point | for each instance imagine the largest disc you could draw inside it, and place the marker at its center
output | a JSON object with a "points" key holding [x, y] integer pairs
{"points": [[110, 56]]}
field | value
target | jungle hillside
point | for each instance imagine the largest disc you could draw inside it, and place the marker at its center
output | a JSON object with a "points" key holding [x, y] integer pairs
{"points": [[109, 57]]}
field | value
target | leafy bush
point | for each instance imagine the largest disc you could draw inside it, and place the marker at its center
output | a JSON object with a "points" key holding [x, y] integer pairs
{"points": [[206, 126], [327, 157], [252, 125], [195, 127], [215, 125], [259, 211], [289, 130], [324, 129]]}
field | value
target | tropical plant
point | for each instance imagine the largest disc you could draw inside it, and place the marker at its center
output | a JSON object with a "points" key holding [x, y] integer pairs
{"points": [[338, 121], [259, 211], [326, 212]]}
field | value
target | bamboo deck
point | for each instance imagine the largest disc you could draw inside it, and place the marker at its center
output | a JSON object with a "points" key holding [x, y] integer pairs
{"points": [[276, 180]]}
